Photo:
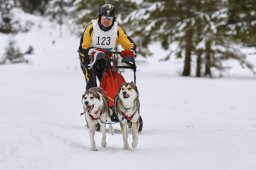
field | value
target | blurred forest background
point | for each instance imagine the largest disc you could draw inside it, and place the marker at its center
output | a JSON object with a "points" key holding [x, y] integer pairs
{"points": [[206, 32]]}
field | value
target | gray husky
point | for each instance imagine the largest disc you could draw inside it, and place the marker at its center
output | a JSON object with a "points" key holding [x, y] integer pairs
{"points": [[127, 108], [96, 110]]}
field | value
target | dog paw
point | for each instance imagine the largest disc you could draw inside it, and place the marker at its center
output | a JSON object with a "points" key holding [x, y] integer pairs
{"points": [[94, 149], [134, 144], [126, 147], [103, 144]]}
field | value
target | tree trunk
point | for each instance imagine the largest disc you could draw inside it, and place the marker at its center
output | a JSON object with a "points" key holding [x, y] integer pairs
{"points": [[199, 51], [188, 48], [208, 60], [198, 63], [60, 30]]}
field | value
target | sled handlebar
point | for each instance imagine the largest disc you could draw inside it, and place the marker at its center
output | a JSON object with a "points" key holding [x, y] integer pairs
{"points": [[113, 52], [129, 64], [107, 52]]}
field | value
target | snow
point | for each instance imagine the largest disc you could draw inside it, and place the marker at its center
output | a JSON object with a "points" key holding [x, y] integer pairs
{"points": [[189, 123]]}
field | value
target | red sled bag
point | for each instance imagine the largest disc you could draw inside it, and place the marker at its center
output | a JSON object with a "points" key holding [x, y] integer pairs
{"points": [[110, 83]]}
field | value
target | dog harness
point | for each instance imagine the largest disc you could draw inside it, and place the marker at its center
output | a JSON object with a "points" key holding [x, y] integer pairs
{"points": [[128, 118], [91, 116]]}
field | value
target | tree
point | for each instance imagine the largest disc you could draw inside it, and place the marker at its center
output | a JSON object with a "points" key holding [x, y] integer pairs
{"points": [[200, 28], [14, 55], [242, 21], [58, 11], [34, 6], [6, 16], [87, 10]]}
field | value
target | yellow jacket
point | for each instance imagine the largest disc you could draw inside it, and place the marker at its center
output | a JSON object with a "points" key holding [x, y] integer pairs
{"points": [[122, 38]]}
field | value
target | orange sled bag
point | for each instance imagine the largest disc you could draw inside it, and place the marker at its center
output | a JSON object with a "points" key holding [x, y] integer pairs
{"points": [[110, 83]]}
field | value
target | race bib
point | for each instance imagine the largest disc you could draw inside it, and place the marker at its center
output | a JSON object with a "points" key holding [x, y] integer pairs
{"points": [[104, 39]]}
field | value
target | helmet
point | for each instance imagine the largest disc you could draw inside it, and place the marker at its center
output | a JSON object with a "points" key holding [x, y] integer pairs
{"points": [[107, 10]]}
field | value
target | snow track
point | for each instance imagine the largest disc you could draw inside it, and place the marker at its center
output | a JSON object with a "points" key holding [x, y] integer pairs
{"points": [[188, 123]]}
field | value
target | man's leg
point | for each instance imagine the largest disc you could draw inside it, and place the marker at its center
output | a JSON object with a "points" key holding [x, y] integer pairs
{"points": [[89, 75], [100, 68], [91, 81]]}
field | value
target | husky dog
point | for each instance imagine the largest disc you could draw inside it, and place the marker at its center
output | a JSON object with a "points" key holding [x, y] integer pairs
{"points": [[96, 109], [127, 108]]}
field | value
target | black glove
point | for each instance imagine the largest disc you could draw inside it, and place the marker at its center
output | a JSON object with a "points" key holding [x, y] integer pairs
{"points": [[95, 55], [128, 59]]}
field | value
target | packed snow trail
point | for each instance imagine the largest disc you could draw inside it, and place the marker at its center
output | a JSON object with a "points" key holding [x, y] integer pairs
{"points": [[188, 123]]}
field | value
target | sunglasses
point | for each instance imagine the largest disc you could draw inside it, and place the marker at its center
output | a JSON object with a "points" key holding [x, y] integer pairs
{"points": [[108, 18]]}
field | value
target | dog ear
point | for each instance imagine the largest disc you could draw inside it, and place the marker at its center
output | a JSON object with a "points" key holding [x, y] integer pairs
{"points": [[121, 86], [105, 103], [134, 87], [137, 104], [98, 96], [117, 101], [117, 94], [119, 90]]}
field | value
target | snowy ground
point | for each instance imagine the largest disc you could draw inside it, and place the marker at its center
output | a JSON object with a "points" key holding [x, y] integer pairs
{"points": [[189, 123]]}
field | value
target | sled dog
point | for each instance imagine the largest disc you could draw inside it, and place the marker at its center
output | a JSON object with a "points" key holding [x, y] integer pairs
{"points": [[127, 108], [95, 106]]}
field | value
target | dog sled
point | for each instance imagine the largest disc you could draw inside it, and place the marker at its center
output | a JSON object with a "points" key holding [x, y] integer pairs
{"points": [[113, 79]]}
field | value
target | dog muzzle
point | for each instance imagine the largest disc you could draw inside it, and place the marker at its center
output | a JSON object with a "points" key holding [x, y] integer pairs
{"points": [[126, 95], [88, 108]]}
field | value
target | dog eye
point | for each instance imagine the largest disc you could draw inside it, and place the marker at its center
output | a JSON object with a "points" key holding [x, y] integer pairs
{"points": [[91, 97], [122, 88], [129, 88]]}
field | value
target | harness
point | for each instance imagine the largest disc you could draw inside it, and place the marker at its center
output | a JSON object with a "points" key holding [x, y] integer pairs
{"points": [[128, 118], [112, 122], [93, 117], [90, 114]]}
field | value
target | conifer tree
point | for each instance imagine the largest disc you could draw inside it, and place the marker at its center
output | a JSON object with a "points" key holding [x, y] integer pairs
{"points": [[6, 16], [58, 11], [242, 21], [198, 27], [87, 10], [34, 6]]}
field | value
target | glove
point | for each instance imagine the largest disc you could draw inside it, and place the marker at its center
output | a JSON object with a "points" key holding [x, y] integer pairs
{"points": [[128, 59], [95, 54], [126, 53]]}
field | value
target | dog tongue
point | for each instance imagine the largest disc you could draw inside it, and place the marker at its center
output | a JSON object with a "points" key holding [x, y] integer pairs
{"points": [[88, 109], [126, 95]]}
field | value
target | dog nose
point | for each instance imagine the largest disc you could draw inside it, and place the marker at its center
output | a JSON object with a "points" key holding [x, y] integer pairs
{"points": [[86, 102], [124, 93]]}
